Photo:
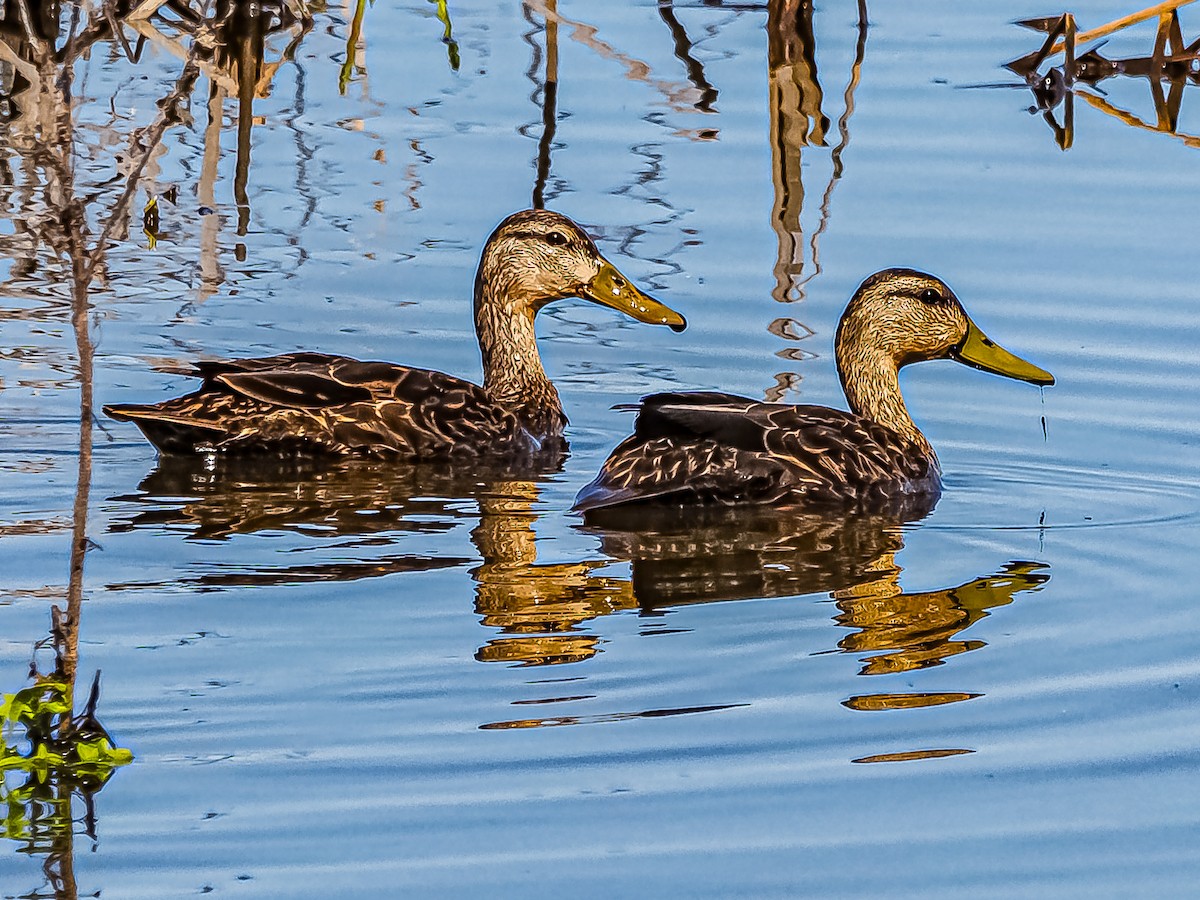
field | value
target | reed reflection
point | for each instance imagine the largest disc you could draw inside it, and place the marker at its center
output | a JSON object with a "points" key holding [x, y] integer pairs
{"points": [[707, 92], [233, 49], [52, 761], [544, 19], [50, 755], [798, 121], [547, 89], [1171, 62]]}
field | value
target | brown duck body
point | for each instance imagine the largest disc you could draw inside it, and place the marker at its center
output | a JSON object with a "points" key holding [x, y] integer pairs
{"points": [[707, 447], [314, 403], [711, 447]]}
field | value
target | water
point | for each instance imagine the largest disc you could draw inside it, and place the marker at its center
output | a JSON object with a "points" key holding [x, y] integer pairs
{"points": [[359, 679]]}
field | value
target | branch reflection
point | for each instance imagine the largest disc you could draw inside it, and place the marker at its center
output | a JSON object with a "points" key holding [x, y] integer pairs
{"points": [[1171, 61]]}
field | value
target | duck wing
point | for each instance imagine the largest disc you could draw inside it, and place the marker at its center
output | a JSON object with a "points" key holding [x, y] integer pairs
{"points": [[714, 447], [318, 403]]}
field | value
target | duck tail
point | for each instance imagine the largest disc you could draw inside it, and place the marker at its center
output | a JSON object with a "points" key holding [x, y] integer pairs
{"points": [[168, 432]]}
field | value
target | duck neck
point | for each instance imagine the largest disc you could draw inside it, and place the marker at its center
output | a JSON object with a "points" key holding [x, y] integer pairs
{"points": [[512, 369], [871, 380]]}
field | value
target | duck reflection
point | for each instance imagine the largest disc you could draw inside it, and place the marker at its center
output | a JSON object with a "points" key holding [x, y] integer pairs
{"points": [[730, 554], [708, 554], [355, 510], [910, 631], [537, 608], [360, 511]]}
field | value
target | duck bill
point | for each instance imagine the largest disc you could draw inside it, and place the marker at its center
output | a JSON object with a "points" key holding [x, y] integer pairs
{"points": [[610, 288], [980, 351]]}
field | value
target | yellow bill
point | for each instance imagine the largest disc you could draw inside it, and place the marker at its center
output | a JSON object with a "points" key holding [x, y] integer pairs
{"points": [[611, 288], [980, 351]]}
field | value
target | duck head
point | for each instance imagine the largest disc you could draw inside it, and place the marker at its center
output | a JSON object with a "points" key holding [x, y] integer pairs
{"points": [[537, 256], [907, 316]]}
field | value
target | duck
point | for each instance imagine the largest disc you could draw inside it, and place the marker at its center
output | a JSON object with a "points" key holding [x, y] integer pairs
{"points": [[309, 403], [693, 448]]}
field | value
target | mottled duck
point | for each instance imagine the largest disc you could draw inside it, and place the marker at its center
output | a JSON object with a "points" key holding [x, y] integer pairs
{"points": [[711, 447], [314, 403]]}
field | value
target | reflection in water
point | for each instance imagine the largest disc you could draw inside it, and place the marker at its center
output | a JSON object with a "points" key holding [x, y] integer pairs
{"points": [[538, 608], [548, 89], [443, 16], [683, 52], [553, 721], [910, 755], [355, 49], [50, 758], [798, 121], [63, 755], [1171, 61], [916, 631], [232, 55], [731, 553], [358, 511], [702, 555], [545, 94], [679, 97], [355, 509]]}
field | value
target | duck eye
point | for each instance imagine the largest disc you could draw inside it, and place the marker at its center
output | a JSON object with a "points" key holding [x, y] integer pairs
{"points": [[556, 239], [931, 295]]}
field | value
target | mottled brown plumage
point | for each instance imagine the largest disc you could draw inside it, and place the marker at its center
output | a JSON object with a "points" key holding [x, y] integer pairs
{"points": [[711, 447], [314, 403]]}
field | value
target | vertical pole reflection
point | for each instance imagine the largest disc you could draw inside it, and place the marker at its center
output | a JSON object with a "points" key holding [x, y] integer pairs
{"points": [[247, 25], [796, 121], [549, 91], [211, 275]]}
